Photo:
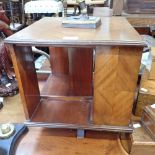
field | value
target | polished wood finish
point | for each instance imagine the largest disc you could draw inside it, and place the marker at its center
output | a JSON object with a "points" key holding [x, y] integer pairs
{"points": [[98, 65], [81, 69], [58, 141], [69, 76], [59, 60], [27, 78], [115, 81], [57, 85], [49, 31], [61, 111]]}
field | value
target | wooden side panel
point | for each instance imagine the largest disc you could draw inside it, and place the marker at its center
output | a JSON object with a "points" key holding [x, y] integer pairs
{"points": [[81, 70], [113, 107], [116, 73], [59, 60], [127, 69], [27, 79]]}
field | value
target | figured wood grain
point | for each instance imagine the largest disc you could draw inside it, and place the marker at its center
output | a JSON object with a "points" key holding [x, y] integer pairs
{"points": [[115, 79], [60, 142], [49, 31], [27, 79]]}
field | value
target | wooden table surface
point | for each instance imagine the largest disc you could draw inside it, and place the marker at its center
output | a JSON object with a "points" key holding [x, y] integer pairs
{"points": [[40, 141], [49, 31]]}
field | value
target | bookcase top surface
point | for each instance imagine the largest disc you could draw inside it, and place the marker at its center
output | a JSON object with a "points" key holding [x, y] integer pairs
{"points": [[49, 31]]}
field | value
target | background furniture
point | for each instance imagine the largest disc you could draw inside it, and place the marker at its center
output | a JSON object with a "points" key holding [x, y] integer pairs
{"points": [[37, 9], [44, 7], [140, 6], [139, 142]]}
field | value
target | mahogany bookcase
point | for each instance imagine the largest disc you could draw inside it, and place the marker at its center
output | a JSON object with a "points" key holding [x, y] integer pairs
{"points": [[94, 74]]}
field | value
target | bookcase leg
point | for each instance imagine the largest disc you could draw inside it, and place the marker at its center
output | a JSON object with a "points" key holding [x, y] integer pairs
{"points": [[80, 133]]}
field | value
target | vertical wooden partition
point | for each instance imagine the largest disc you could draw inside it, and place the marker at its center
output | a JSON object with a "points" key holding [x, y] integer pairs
{"points": [[59, 60], [27, 79], [81, 70], [116, 73]]}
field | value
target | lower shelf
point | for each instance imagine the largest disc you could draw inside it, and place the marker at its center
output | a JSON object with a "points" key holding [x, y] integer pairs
{"points": [[61, 111], [69, 114]]}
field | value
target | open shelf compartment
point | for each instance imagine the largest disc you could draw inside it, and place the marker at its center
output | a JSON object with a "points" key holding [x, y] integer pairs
{"points": [[62, 111]]}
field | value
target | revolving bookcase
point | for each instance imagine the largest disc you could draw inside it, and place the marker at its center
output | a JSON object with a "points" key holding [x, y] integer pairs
{"points": [[93, 79]]}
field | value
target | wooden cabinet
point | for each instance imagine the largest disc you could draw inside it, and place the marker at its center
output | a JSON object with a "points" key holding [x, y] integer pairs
{"points": [[140, 6], [93, 79]]}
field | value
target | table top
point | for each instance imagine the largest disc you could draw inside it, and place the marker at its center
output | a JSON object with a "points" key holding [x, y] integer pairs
{"points": [[49, 31]]}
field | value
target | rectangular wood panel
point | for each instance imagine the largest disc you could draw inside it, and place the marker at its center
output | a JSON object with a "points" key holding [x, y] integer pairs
{"points": [[59, 60], [27, 79], [115, 79], [81, 70]]}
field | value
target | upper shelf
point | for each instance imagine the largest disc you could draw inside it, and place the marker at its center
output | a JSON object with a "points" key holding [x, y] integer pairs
{"points": [[49, 31]]}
